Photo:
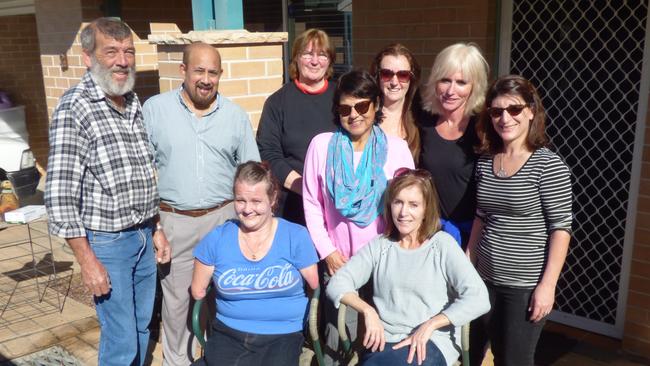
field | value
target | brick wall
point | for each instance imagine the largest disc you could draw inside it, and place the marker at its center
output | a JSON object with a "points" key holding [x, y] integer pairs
{"points": [[251, 71], [21, 77], [636, 336], [424, 26]]}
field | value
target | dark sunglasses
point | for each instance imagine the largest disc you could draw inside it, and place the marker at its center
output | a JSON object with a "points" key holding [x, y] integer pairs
{"points": [[403, 76], [403, 171], [513, 110], [361, 108]]}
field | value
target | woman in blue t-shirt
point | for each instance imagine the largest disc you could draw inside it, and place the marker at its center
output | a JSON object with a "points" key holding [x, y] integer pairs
{"points": [[257, 264]]}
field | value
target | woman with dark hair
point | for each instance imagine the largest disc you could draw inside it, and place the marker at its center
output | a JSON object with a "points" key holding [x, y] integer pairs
{"points": [[453, 95], [345, 176], [521, 233], [398, 75], [296, 113], [257, 264], [424, 288]]}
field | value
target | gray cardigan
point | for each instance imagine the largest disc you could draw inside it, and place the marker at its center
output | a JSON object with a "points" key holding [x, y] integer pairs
{"points": [[411, 286]]}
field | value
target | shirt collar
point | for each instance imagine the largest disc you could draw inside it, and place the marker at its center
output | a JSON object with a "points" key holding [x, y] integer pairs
{"points": [[215, 107]]}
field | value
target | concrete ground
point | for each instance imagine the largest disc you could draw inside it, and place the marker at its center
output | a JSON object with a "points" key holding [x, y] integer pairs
{"points": [[37, 309]]}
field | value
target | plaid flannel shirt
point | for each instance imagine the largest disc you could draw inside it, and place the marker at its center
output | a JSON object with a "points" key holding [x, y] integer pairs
{"points": [[100, 173]]}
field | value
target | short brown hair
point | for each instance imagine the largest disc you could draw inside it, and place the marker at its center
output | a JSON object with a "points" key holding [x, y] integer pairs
{"points": [[321, 40], [517, 86], [408, 116], [253, 172], [431, 223]]}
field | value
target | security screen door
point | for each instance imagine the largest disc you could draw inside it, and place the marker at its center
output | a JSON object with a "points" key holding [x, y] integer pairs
{"points": [[587, 60]]}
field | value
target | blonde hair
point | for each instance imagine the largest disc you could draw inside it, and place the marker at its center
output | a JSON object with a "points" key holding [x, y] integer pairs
{"points": [[320, 40], [467, 59]]}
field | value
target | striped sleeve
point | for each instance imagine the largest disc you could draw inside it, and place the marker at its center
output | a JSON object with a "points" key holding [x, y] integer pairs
{"points": [[556, 196]]}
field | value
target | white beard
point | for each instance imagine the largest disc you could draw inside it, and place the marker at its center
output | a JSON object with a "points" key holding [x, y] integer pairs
{"points": [[104, 78]]}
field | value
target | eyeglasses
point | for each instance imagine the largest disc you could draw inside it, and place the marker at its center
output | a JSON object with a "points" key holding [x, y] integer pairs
{"points": [[403, 76], [403, 171], [513, 110], [361, 108], [310, 55]]}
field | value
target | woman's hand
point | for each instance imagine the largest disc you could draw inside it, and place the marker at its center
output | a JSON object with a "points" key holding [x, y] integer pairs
{"points": [[374, 338], [418, 342], [541, 302], [335, 261]]}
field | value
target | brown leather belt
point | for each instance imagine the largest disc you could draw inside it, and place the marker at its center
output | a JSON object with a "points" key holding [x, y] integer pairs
{"points": [[193, 213]]}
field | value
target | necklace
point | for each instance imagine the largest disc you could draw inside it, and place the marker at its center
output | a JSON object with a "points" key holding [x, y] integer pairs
{"points": [[501, 173], [259, 244]]}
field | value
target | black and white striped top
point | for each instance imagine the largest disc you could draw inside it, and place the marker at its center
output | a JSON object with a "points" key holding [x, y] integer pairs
{"points": [[519, 213]]}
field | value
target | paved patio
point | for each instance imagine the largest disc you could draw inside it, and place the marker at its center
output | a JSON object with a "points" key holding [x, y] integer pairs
{"points": [[37, 311]]}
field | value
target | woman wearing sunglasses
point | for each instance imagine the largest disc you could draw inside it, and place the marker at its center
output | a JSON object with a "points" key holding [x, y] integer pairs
{"points": [[424, 288], [344, 179], [294, 114], [398, 75], [522, 229], [454, 95]]}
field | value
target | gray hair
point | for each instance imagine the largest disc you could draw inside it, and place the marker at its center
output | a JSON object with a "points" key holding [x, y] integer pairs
{"points": [[108, 26]]}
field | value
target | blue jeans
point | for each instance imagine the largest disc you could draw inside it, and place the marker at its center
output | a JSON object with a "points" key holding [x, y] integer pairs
{"points": [[125, 312], [390, 357]]}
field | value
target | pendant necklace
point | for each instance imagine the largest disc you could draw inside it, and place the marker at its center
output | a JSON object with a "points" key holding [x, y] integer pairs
{"points": [[501, 173], [259, 246]]}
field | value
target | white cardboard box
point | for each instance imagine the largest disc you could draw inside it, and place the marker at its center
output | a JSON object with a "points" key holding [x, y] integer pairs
{"points": [[25, 214]]}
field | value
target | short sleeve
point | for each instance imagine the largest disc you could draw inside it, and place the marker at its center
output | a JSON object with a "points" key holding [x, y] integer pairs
{"points": [[303, 251], [206, 250]]}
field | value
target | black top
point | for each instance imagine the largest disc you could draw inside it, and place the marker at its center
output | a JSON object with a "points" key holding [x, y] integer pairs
{"points": [[290, 119], [451, 164]]}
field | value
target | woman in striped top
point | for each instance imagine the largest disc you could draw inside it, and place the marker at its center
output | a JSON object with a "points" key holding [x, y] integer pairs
{"points": [[521, 233]]}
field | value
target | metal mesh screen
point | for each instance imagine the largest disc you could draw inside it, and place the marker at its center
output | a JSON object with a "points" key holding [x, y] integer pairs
{"points": [[586, 59]]}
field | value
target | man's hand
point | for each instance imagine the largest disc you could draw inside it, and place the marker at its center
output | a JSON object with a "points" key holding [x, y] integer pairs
{"points": [[163, 249], [93, 274]]}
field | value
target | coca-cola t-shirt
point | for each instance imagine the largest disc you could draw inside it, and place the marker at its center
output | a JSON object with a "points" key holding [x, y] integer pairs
{"points": [[265, 296]]}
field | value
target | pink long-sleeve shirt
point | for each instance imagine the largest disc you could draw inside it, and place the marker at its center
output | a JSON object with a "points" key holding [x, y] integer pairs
{"points": [[328, 228]]}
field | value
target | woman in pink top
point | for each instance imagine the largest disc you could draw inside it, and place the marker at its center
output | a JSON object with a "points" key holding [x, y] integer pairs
{"points": [[344, 178]]}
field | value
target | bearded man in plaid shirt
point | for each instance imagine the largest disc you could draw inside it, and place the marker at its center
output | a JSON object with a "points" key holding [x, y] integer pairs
{"points": [[101, 191]]}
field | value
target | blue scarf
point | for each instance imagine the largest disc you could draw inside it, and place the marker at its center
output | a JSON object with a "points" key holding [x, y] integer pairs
{"points": [[357, 195]]}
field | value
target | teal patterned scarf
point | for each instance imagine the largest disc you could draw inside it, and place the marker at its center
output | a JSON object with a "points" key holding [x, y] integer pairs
{"points": [[357, 195]]}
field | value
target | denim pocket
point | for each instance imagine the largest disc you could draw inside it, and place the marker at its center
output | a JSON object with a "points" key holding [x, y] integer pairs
{"points": [[96, 238]]}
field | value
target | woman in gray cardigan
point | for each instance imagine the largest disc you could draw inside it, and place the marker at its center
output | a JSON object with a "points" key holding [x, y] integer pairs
{"points": [[424, 286]]}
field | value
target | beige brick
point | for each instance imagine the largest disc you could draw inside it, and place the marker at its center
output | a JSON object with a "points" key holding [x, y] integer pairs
{"points": [[271, 51], [164, 85], [54, 71], [163, 27], [250, 104], [261, 86], [75, 50], [151, 59], [47, 60], [169, 69], [176, 83], [175, 56], [49, 82], [232, 53], [74, 61], [145, 48], [274, 68], [78, 72], [255, 119], [246, 69], [61, 83], [231, 88]]}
